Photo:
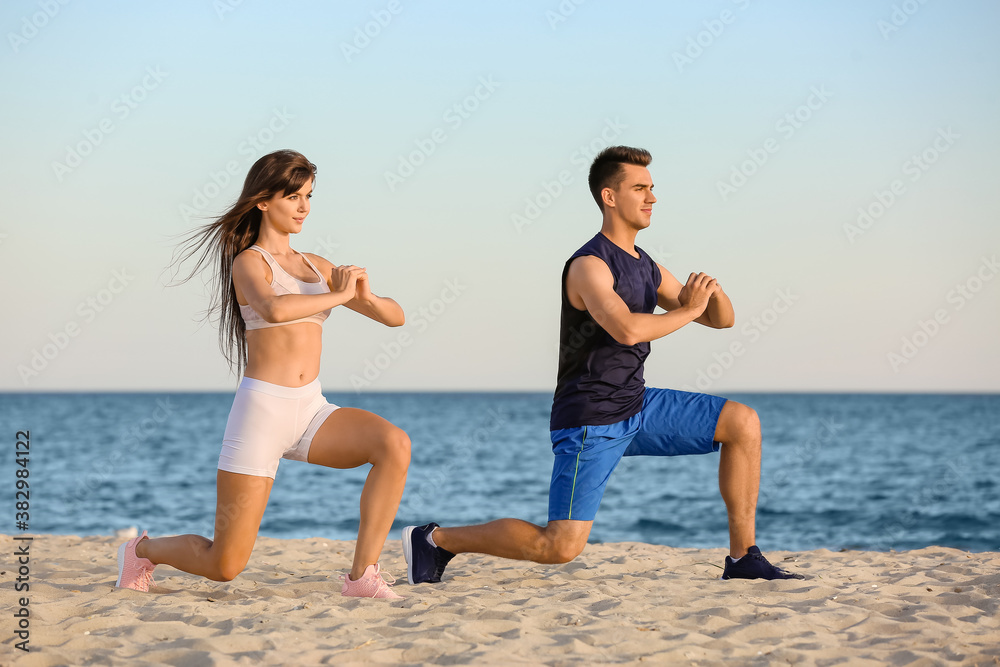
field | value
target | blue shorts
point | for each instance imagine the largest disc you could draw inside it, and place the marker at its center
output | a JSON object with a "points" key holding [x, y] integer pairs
{"points": [[671, 423]]}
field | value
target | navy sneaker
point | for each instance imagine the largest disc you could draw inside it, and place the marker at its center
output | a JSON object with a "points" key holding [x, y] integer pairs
{"points": [[425, 562], [755, 566]]}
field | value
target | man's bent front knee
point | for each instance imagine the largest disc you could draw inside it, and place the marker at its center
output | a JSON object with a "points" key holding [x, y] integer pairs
{"points": [[737, 423]]}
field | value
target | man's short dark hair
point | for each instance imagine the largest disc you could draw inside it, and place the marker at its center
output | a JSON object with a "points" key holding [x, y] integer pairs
{"points": [[606, 170]]}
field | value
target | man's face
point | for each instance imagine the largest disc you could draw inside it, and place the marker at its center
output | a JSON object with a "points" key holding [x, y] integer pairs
{"points": [[633, 198]]}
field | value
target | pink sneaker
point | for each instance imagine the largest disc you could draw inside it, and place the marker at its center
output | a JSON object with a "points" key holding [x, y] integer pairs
{"points": [[370, 585], [134, 572]]}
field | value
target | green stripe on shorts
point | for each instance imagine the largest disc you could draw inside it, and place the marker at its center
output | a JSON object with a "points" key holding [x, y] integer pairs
{"points": [[575, 471]]}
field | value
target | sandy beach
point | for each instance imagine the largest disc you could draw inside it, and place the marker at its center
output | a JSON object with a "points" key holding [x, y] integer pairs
{"points": [[619, 603]]}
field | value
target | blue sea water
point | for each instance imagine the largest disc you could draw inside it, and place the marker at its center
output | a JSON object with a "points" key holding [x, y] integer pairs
{"points": [[856, 471]]}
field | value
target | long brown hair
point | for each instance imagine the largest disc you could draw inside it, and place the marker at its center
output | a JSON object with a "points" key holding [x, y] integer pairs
{"points": [[284, 171]]}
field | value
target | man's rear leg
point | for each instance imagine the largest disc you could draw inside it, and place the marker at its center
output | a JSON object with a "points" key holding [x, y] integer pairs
{"points": [[428, 549], [557, 542]]}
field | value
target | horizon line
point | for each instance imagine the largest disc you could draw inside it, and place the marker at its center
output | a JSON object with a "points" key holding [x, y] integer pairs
{"points": [[915, 392]]}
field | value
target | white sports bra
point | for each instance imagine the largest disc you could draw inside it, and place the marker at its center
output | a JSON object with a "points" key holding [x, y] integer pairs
{"points": [[284, 283]]}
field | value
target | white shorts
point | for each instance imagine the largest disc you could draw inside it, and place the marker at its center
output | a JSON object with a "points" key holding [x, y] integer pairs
{"points": [[269, 422]]}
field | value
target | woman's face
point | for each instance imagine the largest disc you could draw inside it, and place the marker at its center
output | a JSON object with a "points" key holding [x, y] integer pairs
{"points": [[286, 213]]}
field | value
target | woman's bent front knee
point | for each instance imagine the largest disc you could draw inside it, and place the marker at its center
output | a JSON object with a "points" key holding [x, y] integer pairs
{"points": [[396, 448]]}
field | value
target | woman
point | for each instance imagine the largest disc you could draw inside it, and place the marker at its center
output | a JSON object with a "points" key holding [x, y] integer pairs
{"points": [[272, 301]]}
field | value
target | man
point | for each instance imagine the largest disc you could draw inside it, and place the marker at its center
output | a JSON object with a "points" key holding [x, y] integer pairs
{"points": [[602, 409]]}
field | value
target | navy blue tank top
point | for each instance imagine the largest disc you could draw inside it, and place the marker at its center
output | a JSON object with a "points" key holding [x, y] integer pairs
{"points": [[600, 380]]}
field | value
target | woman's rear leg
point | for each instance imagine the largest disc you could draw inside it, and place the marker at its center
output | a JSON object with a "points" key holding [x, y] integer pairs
{"points": [[240, 503]]}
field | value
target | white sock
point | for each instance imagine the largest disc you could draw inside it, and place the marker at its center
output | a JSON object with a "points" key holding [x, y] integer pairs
{"points": [[430, 538]]}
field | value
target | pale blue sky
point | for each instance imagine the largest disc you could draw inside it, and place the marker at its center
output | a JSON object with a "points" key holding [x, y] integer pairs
{"points": [[199, 82]]}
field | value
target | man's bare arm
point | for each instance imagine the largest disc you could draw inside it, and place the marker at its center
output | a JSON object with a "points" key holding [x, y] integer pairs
{"points": [[719, 311], [590, 286], [718, 314]]}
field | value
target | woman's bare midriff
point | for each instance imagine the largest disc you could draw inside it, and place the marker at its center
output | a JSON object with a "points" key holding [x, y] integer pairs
{"points": [[287, 355]]}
